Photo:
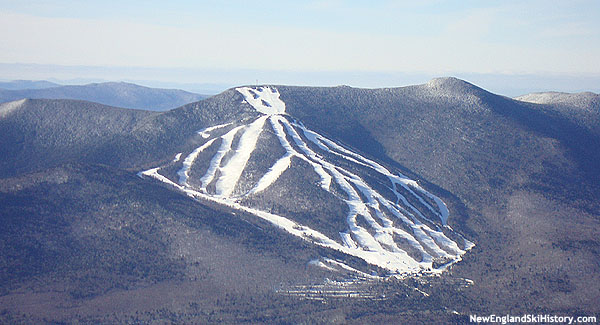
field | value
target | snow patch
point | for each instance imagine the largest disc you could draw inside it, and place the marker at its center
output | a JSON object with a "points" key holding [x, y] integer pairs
{"points": [[321, 265], [7, 108], [177, 157], [205, 133]]}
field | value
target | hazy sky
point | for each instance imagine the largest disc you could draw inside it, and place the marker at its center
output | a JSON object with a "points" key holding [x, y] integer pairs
{"points": [[431, 37]]}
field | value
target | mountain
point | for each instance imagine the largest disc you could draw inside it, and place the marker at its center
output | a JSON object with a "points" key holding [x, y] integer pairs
{"points": [[584, 101], [287, 204], [27, 84], [119, 94], [88, 234], [525, 175], [42, 133], [581, 108], [336, 198]]}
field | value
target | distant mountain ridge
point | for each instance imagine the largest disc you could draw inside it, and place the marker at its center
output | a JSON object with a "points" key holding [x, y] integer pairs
{"points": [[27, 84], [119, 94], [582, 108], [584, 100]]}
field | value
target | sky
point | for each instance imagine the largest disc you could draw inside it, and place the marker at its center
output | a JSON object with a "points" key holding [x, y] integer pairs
{"points": [[504, 44]]}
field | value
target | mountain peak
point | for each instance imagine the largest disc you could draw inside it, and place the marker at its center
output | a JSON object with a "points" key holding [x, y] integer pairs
{"points": [[456, 88], [449, 82]]}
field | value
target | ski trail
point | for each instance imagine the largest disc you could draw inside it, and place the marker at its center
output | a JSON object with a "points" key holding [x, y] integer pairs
{"points": [[386, 260], [401, 180], [263, 99], [231, 172], [356, 206], [189, 161], [280, 165], [425, 235], [276, 123], [226, 141], [205, 133], [351, 269], [273, 174]]}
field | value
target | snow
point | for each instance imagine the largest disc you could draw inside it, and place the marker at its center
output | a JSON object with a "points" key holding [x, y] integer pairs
{"points": [[276, 122], [273, 174], [177, 157], [356, 289], [205, 133], [347, 181], [381, 218], [232, 171], [357, 207], [347, 239], [321, 265], [7, 108], [383, 259], [263, 99], [155, 174], [189, 160], [579, 100], [225, 147], [400, 179], [468, 244], [422, 292], [351, 269]]}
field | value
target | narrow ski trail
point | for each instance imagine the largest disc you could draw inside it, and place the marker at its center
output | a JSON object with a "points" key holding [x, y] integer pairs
{"points": [[391, 222]]}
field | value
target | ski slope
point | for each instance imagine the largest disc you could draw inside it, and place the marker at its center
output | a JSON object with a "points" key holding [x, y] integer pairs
{"points": [[391, 222]]}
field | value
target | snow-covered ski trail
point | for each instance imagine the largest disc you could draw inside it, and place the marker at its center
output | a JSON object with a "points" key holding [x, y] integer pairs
{"points": [[392, 231]]}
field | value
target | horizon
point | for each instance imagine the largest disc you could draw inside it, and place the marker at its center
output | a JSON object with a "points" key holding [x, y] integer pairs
{"points": [[506, 85], [507, 47]]}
